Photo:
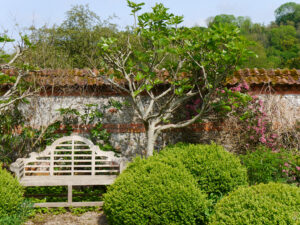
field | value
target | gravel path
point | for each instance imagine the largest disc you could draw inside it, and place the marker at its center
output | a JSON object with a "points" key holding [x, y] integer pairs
{"points": [[88, 218]]}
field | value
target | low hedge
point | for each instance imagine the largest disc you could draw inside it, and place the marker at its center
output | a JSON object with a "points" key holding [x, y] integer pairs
{"points": [[272, 203], [152, 192], [216, 170]]}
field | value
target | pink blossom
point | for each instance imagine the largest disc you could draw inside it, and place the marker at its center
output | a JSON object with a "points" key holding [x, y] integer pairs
{"points": [[246, 86], [298, 168], [263, 140], [274, 136], [238, 88], [251, 137], [284, 171], [286, 164], [259, 122], [223, 91], [256, 129]]}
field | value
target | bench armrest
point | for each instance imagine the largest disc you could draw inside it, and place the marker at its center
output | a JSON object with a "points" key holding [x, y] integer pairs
{"points": [[17, 166]]}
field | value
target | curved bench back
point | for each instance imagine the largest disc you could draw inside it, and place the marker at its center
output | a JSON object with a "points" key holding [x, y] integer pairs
{"points": [[69, 156]]}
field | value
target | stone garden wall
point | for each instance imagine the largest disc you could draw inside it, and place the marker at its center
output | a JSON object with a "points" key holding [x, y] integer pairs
{"points": [[127, 133]]}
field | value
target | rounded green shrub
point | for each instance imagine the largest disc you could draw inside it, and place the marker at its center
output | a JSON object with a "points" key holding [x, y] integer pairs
{"points": [[216, 170], [152, 192], [272, 203], [265, 165], [11, 193]]}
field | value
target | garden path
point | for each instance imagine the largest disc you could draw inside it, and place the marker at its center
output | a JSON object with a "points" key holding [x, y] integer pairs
{"points": [[88, 218]]}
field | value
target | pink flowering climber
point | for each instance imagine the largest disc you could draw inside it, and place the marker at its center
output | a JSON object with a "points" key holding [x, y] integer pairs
{"points": [[245, 85], [263, 140]]}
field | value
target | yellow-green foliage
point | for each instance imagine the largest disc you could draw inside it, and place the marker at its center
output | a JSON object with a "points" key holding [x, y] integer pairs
{"points": [[216, 170], [11, 193], [152, 192], [272, 203]]}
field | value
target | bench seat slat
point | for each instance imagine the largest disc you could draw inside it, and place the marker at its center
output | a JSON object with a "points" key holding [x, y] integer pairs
{"points": [[79, 180], [66, 204], [83, 166], [37, 166]]}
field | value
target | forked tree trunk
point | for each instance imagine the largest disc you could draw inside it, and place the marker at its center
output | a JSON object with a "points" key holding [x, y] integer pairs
{"points": [[151, 139]]}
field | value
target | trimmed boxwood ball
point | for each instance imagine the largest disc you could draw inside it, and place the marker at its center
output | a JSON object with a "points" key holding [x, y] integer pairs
{"points": [[11, 193], [272, 203], [216, 170], [151, 192]]}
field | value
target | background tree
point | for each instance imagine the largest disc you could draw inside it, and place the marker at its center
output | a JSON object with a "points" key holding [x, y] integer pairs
{"points": [[276, 45], [222, 19], [287, 14], [187, 62], [74, 41]]}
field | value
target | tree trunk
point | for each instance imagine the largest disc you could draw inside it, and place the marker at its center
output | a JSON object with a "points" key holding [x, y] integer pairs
{"points": [[151, 138]]}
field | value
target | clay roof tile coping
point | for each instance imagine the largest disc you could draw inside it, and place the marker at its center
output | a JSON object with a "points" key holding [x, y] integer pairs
{"points": [[82, 76]]}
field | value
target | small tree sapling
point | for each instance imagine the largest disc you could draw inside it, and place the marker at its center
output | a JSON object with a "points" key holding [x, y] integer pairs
{"points": [[164, 65]]}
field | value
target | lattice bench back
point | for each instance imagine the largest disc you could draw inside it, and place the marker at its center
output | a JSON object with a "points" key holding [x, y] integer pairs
{"points": [[68, 156]]}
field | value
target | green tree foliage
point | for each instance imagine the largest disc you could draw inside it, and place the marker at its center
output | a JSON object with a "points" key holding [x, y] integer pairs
{"points": [[284, 43], [74, 41], [288, 13], [222, 19], [275, 45]]}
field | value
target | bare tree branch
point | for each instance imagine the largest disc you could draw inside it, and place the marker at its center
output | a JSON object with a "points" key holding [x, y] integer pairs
{"points": [[24, 95]]}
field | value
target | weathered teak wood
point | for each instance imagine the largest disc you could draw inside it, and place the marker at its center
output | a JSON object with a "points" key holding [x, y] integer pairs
{"points": [[69, 161], [66, 204]]}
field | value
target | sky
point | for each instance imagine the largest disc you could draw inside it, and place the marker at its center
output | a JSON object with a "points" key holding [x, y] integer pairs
{"points": [[40, 12]]}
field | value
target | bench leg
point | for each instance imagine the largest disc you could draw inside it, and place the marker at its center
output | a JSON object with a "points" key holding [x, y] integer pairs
{"points": [[69, 193]]}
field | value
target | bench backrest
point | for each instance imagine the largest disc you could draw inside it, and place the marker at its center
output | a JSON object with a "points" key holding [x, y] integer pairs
{"points": [[68, 156]]}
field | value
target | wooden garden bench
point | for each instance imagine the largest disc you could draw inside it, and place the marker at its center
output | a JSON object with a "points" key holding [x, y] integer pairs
{"points": [[69, 161]]}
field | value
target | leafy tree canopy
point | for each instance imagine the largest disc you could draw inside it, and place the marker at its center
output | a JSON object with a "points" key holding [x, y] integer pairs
{"points": [[288, 12], [196, 63]]}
